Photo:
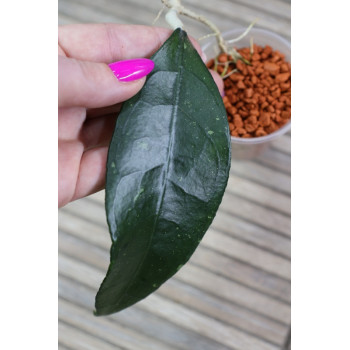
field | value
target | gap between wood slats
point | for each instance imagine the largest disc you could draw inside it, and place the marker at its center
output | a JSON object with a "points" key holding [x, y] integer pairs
{"points": [[134, 318], [205, 280]]}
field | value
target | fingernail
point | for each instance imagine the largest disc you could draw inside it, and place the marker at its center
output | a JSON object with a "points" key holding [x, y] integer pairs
{"points": [[129, 70], [204, 57]]}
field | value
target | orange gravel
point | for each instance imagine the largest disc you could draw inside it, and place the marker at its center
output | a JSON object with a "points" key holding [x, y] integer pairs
{"points": [[257, 95]]}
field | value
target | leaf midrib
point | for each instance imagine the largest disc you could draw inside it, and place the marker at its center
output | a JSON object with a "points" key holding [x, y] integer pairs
{"points": [[168, 161]]}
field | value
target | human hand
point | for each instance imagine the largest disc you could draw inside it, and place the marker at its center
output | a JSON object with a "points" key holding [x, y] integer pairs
{"points": [[89, 97]]}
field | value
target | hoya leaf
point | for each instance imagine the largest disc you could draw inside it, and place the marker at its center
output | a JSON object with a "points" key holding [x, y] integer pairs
{"points": [[167, 169]]}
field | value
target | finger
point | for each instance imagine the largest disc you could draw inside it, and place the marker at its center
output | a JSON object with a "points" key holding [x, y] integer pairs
{"points": [[69, 155], [218, 80], [70, 121], [97, 132], [112, 42], [91, 85], [92, 172], [99, 112]]}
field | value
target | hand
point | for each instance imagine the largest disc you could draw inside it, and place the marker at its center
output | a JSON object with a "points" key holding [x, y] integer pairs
{"points": [[89, 97]]}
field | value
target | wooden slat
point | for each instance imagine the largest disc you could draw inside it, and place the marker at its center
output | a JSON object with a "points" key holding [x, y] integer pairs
{"points": [[275, 160], [256, 213], [114, 12], [221, 310], [227, 16], [194, 276], [64, 19], [208, 259], [251, 233], [276, 7], [111, 332], [262, 175], [88, 14], [234, 292], [247, 253], [242, 273], [231, 204], [212, 239], [63, 347], [238, 206], [259, 194], [228, 11], [260, 303], [228, 245], [282, 144], [224, 222], [92, 232], [79, 340], [89, 210], [211, 328], [149, 324], [169, 310]]}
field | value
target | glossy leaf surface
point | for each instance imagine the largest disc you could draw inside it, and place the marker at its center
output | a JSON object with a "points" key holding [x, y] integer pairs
{"points": [[167, 169]]}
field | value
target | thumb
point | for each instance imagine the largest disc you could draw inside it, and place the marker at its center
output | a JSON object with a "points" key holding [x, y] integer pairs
{"points": [[94, 85]]}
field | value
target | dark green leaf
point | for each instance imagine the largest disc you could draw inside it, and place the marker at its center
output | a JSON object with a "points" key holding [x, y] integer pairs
{"points": [[167, 169]]}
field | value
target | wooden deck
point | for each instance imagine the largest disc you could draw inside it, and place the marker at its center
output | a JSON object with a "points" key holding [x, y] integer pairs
{"points": [[235, 291]]}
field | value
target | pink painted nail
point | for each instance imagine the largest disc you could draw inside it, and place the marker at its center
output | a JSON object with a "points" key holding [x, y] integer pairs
{"points": [[130, 70]]}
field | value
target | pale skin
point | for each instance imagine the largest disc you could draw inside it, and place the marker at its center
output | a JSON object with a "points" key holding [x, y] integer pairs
{"points": [[90, 96]]}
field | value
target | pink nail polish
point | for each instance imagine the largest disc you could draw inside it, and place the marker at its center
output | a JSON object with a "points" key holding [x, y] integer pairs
{"points": [[130, 70]]}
